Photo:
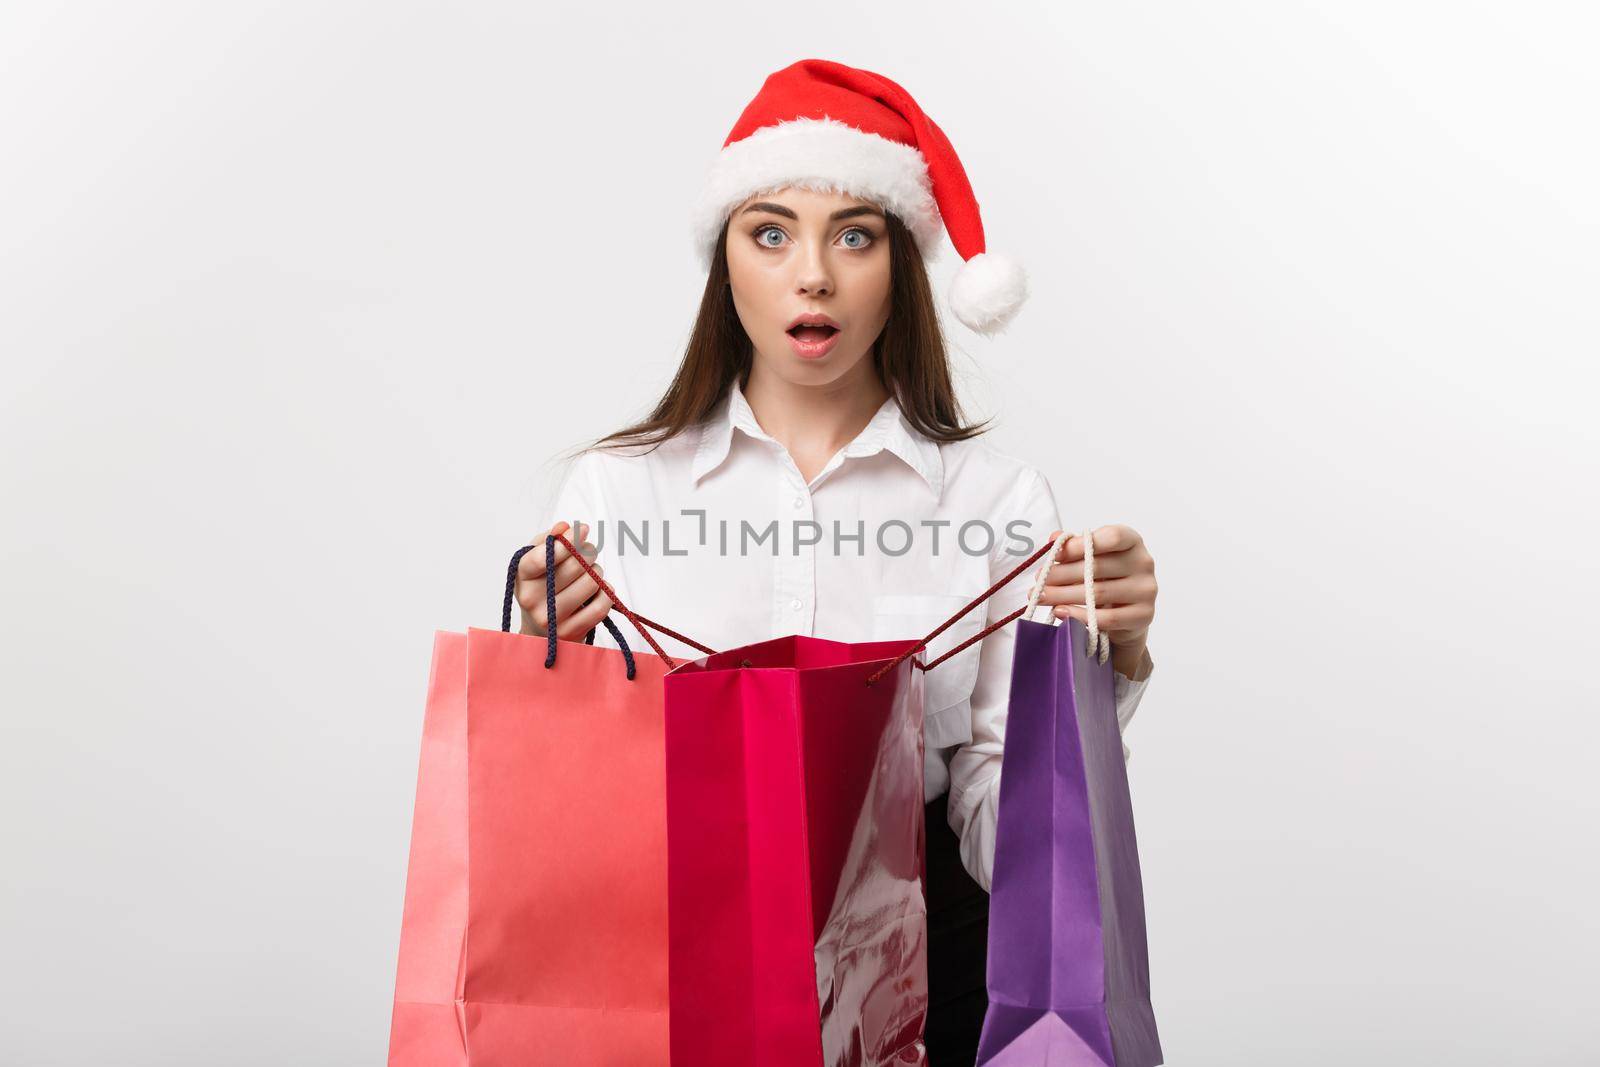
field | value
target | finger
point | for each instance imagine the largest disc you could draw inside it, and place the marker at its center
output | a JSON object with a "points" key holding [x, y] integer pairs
{"points": [[585, 618], [1115, 566], [580, 539], [1108, 539], [585, 549], [532, 563], [531, 566], [1132, 590], [571, 568], [568, 600], [1126, 617], [531, 592], [568, 571], [570, 575]]}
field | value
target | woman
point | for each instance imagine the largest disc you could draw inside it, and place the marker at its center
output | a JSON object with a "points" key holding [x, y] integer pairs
{"points": [[809, 469]]}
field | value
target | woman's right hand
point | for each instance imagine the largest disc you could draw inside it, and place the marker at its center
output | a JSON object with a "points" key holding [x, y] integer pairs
{"points": [[574, 617]]}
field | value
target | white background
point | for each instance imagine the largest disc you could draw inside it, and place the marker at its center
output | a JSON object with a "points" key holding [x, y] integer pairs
{"points": [[298, 301]]}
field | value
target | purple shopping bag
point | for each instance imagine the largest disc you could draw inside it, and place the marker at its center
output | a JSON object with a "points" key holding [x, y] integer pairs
{"points": [[1068, 969]]}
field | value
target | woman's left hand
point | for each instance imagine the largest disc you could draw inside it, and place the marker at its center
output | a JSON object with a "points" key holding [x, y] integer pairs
{"points": [[1124, 590]]}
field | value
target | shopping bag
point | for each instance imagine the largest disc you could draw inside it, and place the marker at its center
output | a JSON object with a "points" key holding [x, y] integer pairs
{"points": [[1068, 966], [424, 1026], [798, 926], [535, 918]]}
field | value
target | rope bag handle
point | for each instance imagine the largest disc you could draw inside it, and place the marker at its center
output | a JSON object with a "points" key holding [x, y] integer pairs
{"points": [[639, 621], [550, 609], [1099, 641], [1051, 548]]}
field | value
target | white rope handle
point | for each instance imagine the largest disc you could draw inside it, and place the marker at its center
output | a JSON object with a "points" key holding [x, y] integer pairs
{"points": [[1037, 589], [1099, 643]]}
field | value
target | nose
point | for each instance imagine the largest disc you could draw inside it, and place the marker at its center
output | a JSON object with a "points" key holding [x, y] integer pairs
{"points": [[814, 277]]}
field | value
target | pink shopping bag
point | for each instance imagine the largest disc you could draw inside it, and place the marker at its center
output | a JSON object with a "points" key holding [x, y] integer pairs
{"points": [[535, 919]]}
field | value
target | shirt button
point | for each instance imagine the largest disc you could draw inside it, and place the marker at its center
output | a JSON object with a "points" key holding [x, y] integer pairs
{"points": [[797, 603], [799, 502]]}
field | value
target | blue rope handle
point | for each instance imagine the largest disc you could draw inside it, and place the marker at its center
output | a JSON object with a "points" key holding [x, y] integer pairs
{"points": [[550, 614], [550, 607]]}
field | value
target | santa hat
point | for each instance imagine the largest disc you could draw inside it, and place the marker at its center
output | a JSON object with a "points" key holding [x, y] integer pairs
{"points": [[828, 127]]}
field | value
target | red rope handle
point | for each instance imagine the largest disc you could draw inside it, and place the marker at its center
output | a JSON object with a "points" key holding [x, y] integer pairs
{"points": [[974, 639], [942, 627], [644, 625], [639, 621]]}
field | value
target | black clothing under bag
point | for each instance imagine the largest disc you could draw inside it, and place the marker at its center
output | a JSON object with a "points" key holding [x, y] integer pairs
{"points": [[958, 947]]}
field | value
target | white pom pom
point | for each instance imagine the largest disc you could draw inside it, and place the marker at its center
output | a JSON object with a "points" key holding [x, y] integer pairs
{"points": [[988, 291]]}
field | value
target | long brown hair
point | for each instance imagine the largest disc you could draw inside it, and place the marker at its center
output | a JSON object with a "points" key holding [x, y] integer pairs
{"points": [[909, 355]]}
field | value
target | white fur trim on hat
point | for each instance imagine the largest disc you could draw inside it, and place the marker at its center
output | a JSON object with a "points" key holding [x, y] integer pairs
{"points": [[824, 155], [987, 292]]}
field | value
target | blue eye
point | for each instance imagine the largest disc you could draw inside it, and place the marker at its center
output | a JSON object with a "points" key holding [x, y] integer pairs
{"points": [[857, 231]]}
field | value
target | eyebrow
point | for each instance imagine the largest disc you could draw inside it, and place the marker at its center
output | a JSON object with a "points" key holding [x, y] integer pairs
{"points": [[843, 213]]}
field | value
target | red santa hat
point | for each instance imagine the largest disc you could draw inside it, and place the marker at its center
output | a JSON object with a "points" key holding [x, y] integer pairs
{"points": [[828, 127]]}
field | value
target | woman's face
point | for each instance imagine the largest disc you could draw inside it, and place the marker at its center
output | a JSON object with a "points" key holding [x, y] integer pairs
{"points": [[795, 253]]}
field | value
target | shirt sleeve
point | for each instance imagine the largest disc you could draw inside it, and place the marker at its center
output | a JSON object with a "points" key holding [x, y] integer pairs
{"points": [[975, 767]]}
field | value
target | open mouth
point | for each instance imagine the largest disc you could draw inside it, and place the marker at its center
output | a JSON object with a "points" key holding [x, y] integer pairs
{"points": [[812, 335]]}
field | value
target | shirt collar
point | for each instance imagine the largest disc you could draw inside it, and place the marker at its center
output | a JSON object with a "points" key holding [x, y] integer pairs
{"points": [[888, 430]]}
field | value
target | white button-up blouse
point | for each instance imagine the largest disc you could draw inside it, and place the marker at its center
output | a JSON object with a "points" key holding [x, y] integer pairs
{"points": [[716, 534]]}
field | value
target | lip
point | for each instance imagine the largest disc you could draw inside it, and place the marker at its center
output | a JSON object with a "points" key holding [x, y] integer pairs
{"points": [[812, 318], [814, 349]]}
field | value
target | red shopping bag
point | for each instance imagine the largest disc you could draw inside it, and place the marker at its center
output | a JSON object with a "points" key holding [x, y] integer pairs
{"points": [[798, 923], [535, 919]]}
